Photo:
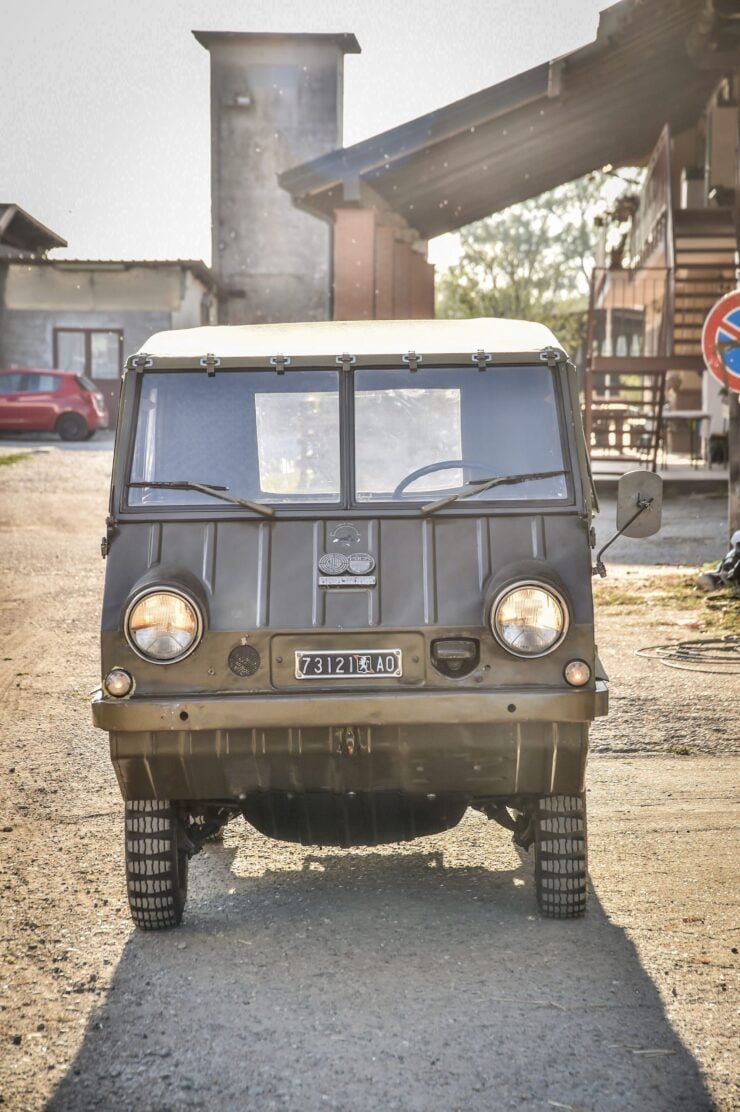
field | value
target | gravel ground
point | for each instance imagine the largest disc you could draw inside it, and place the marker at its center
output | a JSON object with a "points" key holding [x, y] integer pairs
{"points": [[412, 977]]}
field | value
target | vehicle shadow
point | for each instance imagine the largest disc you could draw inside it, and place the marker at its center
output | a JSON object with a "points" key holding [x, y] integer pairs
{"points": [[390, 979]]}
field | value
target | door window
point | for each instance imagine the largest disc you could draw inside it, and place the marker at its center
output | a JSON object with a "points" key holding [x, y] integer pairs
{"points": [[105, 355]]}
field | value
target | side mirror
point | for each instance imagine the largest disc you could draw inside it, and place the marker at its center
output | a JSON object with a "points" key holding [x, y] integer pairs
{"points": [[639, 504]]}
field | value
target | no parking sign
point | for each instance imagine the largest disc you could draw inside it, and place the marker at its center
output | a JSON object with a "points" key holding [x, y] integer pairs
{"points": [[720, 341]]}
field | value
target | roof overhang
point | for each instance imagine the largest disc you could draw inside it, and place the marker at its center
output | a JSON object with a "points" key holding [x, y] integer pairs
{"points": [[607, 102], [195, 266], [20, 230]]}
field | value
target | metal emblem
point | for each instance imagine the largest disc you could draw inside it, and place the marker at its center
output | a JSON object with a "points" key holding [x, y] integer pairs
{"points": [[333, 563], [345, 535], [361, 563]]}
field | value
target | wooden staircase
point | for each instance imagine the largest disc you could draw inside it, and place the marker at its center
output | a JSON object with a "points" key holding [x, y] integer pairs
{"points": [[705, 262]]}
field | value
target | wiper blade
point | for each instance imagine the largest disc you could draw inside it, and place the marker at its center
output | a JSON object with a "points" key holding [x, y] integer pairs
{"points": [[214, 491], [486, 484]]}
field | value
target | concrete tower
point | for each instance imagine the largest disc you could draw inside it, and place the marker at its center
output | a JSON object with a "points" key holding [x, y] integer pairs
{"points": [[276, 101]]}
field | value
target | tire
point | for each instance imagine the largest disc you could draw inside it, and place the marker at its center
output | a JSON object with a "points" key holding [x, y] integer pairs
{"points": [[561, 856], [72, 426], [90, 434], [156, 864]]}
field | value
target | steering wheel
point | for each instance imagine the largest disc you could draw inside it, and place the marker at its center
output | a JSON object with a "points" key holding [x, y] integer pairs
{"points": [[443, 465]]}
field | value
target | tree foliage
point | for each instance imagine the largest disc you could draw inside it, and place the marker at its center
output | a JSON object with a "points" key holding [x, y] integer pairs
{"points": [[532, 261]]}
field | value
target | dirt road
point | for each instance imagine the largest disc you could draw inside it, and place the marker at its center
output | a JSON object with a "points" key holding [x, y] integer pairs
{"points": [[414, 977]]}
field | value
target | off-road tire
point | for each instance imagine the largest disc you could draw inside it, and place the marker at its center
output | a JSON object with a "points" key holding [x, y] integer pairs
{"points": [[72, 426], [561, 856], [156, 864]]}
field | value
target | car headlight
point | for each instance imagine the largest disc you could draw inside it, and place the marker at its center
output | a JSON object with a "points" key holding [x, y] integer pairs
{"points": [[163, 626], [529, 619]]}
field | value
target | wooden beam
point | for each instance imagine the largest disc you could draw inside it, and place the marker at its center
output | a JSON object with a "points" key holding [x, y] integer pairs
{"points": [[648, 364]]}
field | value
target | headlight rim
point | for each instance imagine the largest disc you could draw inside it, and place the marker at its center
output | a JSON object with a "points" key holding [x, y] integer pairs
{"points": [[164, 589], [518, 585]]}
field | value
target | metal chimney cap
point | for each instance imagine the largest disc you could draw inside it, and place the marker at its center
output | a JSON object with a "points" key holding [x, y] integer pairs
{"points": [[346, 41]]}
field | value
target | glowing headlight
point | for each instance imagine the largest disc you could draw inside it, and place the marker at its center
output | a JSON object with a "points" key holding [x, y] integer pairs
{"points": [[163, 626], [529, 619]]}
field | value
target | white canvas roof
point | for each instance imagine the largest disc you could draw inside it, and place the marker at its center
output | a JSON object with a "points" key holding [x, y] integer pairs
{"points": [[375, 337]]}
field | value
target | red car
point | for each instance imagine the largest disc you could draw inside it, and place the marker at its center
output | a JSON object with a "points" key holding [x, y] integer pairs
{"points": [[51, 401]]}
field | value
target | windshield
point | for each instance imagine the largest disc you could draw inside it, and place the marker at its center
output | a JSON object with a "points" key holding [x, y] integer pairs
{"points": [[259, 435], [264, 437], [445, 429]]}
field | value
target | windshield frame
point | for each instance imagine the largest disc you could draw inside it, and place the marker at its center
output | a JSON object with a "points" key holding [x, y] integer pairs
{"points": [[347, 503]]}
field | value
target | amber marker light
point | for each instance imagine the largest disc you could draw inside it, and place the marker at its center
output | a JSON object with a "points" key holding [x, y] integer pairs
{"points": [[577, 673], [118, 683]]}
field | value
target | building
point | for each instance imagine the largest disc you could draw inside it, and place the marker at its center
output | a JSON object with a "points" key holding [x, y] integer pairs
{"points": [[87, 315]]}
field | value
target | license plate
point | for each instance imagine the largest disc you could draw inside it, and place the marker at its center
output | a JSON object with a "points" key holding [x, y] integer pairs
{"points": [[353, 664]]}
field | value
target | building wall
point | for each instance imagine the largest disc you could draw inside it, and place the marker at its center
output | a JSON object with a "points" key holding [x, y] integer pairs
{"points": [[27, 335], [138, 300]]}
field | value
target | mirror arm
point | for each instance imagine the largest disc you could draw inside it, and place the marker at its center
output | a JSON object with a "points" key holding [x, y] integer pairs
{"points": [[599, 568]]}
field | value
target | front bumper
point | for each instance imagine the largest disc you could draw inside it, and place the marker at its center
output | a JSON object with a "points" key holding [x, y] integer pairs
{"points": [[311, 709], [476, 745]]}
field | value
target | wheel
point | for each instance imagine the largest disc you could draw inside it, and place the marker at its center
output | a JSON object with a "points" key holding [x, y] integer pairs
{"points": [[156, 863], [72, 426], [561, 856], [90, 434]]}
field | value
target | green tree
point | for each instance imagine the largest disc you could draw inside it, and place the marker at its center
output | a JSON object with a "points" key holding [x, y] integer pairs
{"points": [[532, 261]]}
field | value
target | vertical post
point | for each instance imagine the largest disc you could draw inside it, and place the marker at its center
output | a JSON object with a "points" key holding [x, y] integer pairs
{"points": [[733, 401], [733, 442], [354, 264], [384, 254]]}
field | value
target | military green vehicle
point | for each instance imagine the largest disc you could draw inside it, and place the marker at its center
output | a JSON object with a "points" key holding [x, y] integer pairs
{"points": [[348, 593]]}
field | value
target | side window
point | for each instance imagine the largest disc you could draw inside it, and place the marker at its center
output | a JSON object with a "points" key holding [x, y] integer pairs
{"points": [[10, 384], [43, 384]]}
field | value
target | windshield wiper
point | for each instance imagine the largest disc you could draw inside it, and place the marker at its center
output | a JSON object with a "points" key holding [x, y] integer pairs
{"points": [[486, 484], [214, 491]]}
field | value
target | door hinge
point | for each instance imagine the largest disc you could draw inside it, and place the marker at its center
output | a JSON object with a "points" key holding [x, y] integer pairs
{"points": [[345, 360], [482, 358], [105, 542]]}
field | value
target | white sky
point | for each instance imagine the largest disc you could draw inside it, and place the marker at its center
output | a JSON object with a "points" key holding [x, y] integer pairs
{"points": [[104, 105]]}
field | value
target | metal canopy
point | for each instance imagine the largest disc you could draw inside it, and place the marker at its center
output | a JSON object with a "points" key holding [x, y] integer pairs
{"points": [[651, 63]]}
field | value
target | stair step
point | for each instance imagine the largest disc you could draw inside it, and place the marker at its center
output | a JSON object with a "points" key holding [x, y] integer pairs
{"points": [[704, 266]]}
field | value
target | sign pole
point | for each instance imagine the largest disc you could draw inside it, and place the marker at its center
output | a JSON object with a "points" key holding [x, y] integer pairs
{"points": [[733, 458], [720, 343]]}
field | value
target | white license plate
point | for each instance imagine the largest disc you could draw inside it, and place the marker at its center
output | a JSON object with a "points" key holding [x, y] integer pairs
{"points": [[353, 664]]}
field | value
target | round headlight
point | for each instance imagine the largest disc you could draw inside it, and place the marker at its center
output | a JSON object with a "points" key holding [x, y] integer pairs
{"points": [[529, 619], [163, 626]]}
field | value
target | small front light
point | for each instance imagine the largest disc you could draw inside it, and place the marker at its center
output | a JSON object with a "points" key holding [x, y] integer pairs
{"points": [[577, 673], [163, 626], [118, 683]]}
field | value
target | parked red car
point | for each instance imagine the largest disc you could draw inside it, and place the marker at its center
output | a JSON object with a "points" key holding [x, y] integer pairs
{"points": [[51, 401]]}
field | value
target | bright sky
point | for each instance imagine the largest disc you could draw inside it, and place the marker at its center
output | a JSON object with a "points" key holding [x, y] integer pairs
{"points": [[104, 112]]}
